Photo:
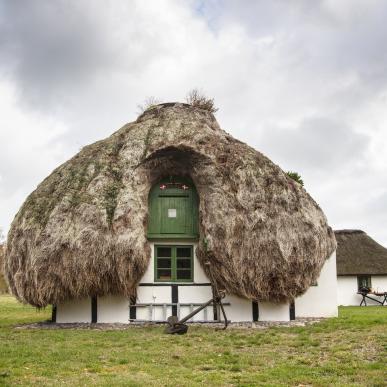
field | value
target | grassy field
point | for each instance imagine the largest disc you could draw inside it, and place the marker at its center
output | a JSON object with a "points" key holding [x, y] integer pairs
{"points": [[348, 351]]}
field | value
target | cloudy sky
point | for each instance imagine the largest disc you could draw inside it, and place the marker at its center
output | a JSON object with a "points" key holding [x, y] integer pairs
{"points": [[305, 82]]}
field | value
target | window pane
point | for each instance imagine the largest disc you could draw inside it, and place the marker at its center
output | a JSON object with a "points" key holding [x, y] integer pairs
{"points": [[171, 212], [183, 252], [183, 263], [183, 274], [164, 252], [164, 274], [164, 263]]}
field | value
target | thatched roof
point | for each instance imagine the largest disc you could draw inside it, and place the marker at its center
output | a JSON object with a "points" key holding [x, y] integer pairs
{"points": [[83, 230], [357, 253], [3, 285]]}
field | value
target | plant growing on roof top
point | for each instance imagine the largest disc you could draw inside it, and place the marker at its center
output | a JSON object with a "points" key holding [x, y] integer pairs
{"points": [[198, 99], [148, 103], [296, 177]]}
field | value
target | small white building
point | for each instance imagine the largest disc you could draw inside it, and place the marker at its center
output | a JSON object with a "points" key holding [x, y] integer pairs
{"points": [[361, 262]]}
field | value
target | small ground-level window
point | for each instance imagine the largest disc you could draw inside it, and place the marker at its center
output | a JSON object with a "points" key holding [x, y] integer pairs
{"points": [[364, 281], [174, 263]]}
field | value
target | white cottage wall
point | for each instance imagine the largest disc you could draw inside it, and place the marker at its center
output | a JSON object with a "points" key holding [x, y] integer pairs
{"points": [[74, 311], [239, 310], [379, 283], [346, 292], [156, 295], [347, 289], [269, 311], [320, 300], [113, 309], [196, 295]]}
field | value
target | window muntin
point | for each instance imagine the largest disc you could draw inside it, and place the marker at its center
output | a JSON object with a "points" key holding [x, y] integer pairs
{"points": [[173, 263]]}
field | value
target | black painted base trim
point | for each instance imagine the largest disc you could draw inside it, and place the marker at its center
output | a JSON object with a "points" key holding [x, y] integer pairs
{"points": [[94, 309], [132, 309], [292, 311], [175, 298], [53, 313], [255, 311]]}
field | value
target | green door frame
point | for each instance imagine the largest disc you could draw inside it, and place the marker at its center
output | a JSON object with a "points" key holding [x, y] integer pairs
{"points": [[188, 207]]}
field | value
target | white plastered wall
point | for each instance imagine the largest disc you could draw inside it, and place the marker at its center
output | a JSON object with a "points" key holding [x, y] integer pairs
{"points": [[240, 309], [155, 295], [269, 311], [320, 300], [317, 301], [347, 289], [379, 283], [112, 309], [197, 295], [74, 311]]}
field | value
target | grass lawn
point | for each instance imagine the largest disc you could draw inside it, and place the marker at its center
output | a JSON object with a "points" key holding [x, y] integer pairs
{"points": [[348, 351]]}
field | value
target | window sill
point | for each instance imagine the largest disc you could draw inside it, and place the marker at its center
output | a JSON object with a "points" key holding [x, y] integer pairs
{"points": [[173, 236]]}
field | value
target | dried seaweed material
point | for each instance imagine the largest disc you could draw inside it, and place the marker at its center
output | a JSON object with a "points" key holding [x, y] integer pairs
{"points": [[197, 99], [82, 232], [3, 285]]}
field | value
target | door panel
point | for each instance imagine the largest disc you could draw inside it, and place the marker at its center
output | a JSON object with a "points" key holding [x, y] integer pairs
{"points": [[174, 213]]}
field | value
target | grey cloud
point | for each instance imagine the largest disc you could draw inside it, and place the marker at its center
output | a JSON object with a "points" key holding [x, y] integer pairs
{"points": [[49, 44], [347, 37], [53, 49], [318, 144]]}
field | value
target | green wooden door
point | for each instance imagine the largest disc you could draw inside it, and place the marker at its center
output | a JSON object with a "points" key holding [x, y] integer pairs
{"points": [[173, 210], [175, 214]]}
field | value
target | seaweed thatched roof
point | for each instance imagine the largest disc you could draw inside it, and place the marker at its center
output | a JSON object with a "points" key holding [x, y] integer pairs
{"points": [[358, 253], [83, 230], [3, 285]]}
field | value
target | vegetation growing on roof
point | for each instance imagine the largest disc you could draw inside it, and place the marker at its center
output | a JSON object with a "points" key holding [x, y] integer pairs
{"points": [[296, 177], [198, 99], [148, 103]]}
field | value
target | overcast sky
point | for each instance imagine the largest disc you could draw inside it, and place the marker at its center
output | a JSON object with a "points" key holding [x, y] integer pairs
{"points": [[304, 82]]}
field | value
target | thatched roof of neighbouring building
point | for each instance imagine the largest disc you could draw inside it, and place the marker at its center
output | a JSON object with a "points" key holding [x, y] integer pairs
{"points": [[82, 232], [357, 253]]}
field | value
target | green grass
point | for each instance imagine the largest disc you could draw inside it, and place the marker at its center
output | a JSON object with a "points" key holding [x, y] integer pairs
{"points": [[348, 351]]}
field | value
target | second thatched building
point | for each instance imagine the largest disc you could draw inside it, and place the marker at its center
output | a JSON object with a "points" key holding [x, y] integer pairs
{"points": [[361, 263]]}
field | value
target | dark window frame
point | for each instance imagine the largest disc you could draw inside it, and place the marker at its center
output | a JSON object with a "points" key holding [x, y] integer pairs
{"points": [[174, 269], [364, 281]]}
